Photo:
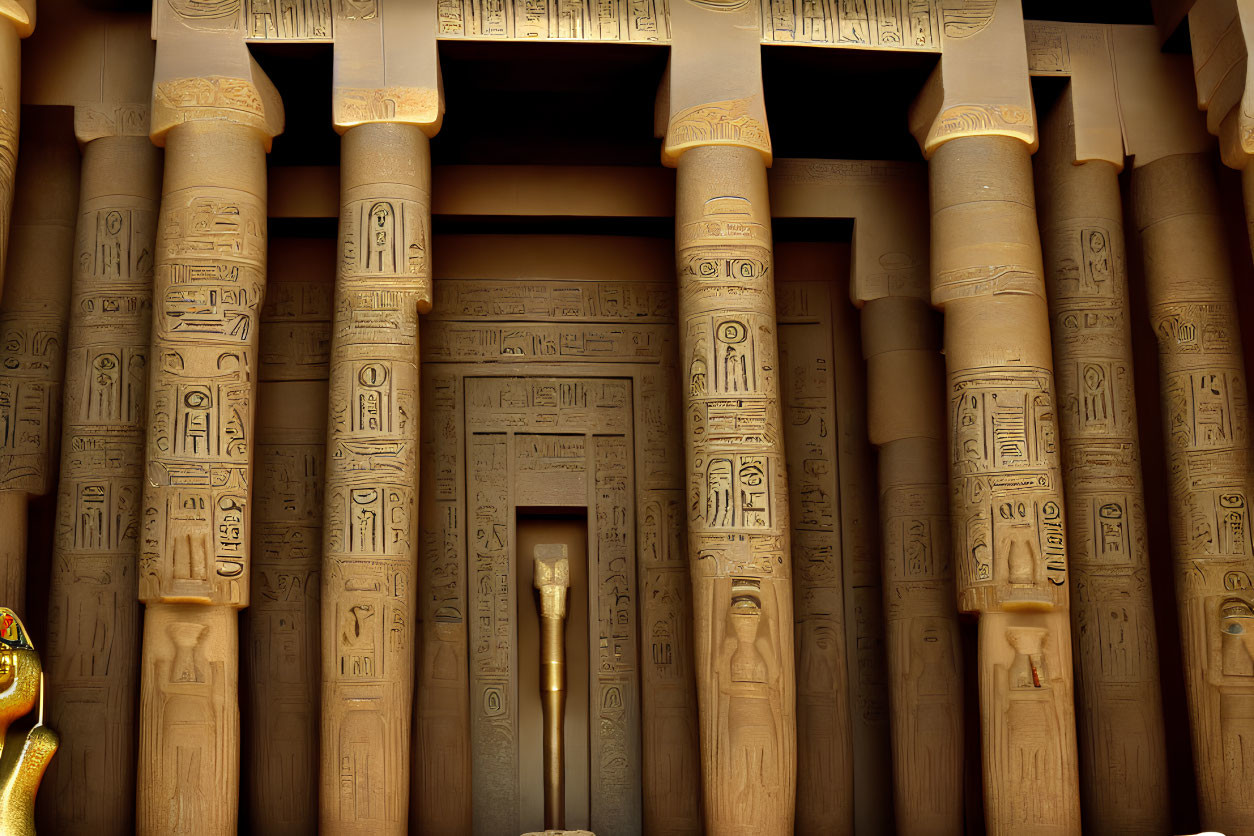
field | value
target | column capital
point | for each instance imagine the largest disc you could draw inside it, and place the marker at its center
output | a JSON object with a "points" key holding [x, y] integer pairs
{"points": [[21, 13], [1155, 93], [1083, 53], [712, 91], [980, 86], [1221, 33], [387, 68], [204, 72]]}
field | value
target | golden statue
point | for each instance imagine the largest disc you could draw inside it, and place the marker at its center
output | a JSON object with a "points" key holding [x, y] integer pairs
{"points": [[24, 755]]}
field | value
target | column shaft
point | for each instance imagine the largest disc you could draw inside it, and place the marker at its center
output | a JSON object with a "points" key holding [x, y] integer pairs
{"points": [[738, 512], [1122, 745], [1206, 422], [194, 559], [1006, 479], [34, 317], [93, 623], [370, 558], [905, 406]]}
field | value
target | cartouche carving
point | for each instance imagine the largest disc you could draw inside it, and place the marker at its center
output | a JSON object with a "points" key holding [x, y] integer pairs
{"points": [[93, 646], [194, 565], [1121, 732], [1206, 424], [370, 543], [1006, 500], [21, 687], [34, 317]]}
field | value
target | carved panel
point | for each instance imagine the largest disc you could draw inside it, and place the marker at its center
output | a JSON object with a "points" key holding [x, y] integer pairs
{"points": [[208, 295]]}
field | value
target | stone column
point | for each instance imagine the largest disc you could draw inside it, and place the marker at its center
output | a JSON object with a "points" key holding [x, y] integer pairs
{"points": [[738, 524], [738, 532], [370, 545], [282, 655], [34, 316], [1005, 477], [195, 540], [93, 629], [17, 21], [1122, 744], [906, 418], [1206, 422], [386, 104]]}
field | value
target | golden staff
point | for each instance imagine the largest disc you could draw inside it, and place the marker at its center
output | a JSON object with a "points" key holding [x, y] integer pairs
{"points": [[552, 579]]}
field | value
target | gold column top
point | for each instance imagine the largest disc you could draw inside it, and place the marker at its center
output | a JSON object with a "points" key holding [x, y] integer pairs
{"points": [[552, 578]]}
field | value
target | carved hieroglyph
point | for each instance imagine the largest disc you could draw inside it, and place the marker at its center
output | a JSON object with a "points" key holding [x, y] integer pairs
{"points": [[34, 316], [738, 529], [282, 661], [825, 745], [1121, 735], [1206, 423], [370, 545], [195, 540], [1005, 477], [93, 638]]}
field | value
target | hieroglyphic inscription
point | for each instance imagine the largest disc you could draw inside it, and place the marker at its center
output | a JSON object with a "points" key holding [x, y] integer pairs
{"points": [[441, 764], [1121, 724], [370, 551], [1003, 474], [93, 646], [1206, 424], [283, 622], [207, 299], [293, 20], [737, 490], [825, 759], [296, 339], [879, 24], [590, 20], [494, 716], [670, 766]]}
